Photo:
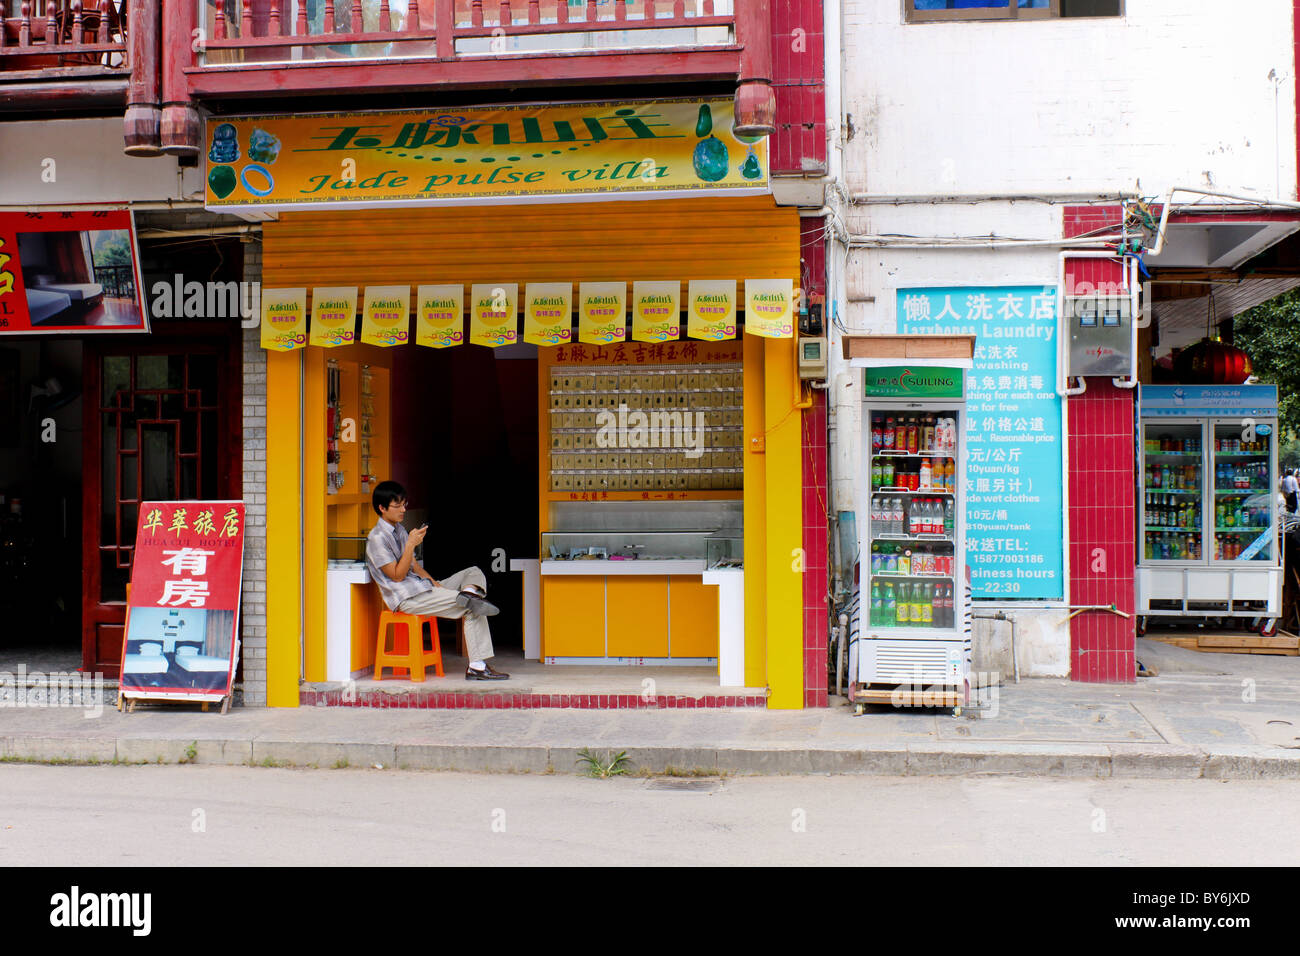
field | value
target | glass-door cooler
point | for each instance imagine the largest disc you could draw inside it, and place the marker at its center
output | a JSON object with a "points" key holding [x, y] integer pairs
{"points": [[1208, 519], [912, 551]]}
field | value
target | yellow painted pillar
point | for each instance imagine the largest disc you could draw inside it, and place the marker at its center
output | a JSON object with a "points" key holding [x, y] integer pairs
{"points": [[315, 548], [784, 524], [283, 527], [755, 510]]}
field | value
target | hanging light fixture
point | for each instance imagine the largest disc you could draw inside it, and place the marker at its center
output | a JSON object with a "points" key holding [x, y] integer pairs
{"points": [[1211, 361]]}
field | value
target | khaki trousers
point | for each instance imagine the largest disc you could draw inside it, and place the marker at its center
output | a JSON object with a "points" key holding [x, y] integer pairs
{"points": [[441, 602]]}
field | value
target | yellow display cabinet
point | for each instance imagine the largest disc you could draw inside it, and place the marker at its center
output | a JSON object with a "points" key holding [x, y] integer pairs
{"points": [[358, 451], [633, 596]]}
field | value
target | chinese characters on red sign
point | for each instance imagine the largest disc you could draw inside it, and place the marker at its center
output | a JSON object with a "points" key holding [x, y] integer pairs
{"points": [[183, 611]]}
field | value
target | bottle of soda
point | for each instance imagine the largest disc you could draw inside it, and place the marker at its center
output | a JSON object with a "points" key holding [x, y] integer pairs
{"points": [[903, 614], [927, 606], [877, 434], [888, 609], [877, 604], [888, 437], [949, 518], [914, 606]]}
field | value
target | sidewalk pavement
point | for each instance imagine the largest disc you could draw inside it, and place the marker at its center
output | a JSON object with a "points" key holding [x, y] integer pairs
{"points": [[1220, 716]]}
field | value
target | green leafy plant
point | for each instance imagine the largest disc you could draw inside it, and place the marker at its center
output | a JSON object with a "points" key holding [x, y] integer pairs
{"points": [[604, 764], [191, 752]]}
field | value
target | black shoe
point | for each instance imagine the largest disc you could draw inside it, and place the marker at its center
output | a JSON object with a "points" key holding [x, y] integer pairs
{"points": [[486, 673], [470, 599]]}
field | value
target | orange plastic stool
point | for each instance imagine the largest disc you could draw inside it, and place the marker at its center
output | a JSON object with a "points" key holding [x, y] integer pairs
{"points": [[408, 653]]}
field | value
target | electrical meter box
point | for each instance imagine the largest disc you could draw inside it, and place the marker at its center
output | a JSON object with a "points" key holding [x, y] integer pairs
{"points": [[812, 357], [1101, 334]]}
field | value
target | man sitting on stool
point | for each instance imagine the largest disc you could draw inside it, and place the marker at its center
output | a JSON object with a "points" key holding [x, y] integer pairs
{"points": [[408, 588]]}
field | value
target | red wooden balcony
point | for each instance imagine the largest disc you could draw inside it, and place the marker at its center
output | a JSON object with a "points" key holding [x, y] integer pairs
{"points": [[76, 52], [290, 47]]}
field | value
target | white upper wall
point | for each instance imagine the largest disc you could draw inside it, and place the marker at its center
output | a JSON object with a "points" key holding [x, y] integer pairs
{"points": [[81, 161], [1176, 92]]}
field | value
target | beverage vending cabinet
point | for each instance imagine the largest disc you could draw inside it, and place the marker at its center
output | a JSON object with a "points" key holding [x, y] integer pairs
{"points": [[1207, 504], [912, 647]]}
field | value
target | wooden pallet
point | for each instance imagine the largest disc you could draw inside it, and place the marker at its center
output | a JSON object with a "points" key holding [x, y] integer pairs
{"points": [[891, 697], [1282, 643]]}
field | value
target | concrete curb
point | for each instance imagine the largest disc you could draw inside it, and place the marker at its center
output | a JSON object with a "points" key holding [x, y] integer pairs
{"points": [[886, 759]]}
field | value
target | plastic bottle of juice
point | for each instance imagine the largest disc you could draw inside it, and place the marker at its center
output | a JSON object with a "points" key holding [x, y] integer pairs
{"points": [[888, 437], [927, 475]]}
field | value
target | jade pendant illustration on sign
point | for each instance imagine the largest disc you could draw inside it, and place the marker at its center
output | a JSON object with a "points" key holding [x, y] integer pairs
{"points": [[750, 168], [222, 180], [704, 125], [710, 159]]}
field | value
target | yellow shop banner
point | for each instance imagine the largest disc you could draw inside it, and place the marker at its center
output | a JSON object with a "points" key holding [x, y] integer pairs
{"points": [[656, 311], [548, 313], [769, 307], [440, 315], [602, 312], [482, 154], [386, 316], [493, 313], [333, 316], [711, 309], [284, 319]]}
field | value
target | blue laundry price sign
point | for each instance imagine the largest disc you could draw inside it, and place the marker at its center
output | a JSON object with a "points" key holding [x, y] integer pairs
{"points": [[1014, 489]]}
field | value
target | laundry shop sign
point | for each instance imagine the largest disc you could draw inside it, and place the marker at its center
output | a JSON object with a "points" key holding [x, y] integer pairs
{"points": [[481, 155]]}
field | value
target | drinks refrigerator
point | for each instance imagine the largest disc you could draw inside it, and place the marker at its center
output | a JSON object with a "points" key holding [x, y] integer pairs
{"points": [[912, 551], [1207, 503]]}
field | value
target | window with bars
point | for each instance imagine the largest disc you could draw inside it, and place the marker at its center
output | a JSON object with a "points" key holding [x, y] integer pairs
{"points": [[921, 11]]}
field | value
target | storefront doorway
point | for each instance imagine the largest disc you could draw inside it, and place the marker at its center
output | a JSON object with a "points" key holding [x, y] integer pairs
{"points": [[465, 447], [161, 422]]}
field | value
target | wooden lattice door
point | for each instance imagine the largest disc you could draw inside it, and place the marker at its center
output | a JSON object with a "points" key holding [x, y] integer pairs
{"points": [[159, 426]]}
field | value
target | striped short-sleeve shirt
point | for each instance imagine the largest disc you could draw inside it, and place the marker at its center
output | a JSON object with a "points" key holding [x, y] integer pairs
{"points": [[384, 546]]}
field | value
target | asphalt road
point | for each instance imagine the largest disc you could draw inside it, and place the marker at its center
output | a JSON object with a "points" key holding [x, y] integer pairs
{"points": [[206, 816]]}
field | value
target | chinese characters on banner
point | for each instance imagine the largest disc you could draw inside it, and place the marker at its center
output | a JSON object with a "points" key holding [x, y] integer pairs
{"points": [[636, 353], [493, 311], [386, 317], [548, 313], [656, 311], [284, 319], [711, 309], [182, 620], [333, 316], [602, 312], [440, 316], [1014, 492]]}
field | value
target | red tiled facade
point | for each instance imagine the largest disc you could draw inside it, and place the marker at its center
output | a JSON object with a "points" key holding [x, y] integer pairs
{"points": [[465, 700], [1100, 497], [799, 82]]}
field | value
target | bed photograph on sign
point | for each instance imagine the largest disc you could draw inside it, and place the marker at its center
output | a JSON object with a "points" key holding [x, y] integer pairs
{"points": [[79, 279], [171, 650]]}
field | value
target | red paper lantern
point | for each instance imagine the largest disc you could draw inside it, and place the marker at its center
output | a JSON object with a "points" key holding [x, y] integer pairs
{"points": [[1211, 362]]}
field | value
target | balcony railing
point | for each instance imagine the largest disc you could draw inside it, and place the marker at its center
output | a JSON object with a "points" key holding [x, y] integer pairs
{"points": [[270, 31], [50, 39]]}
